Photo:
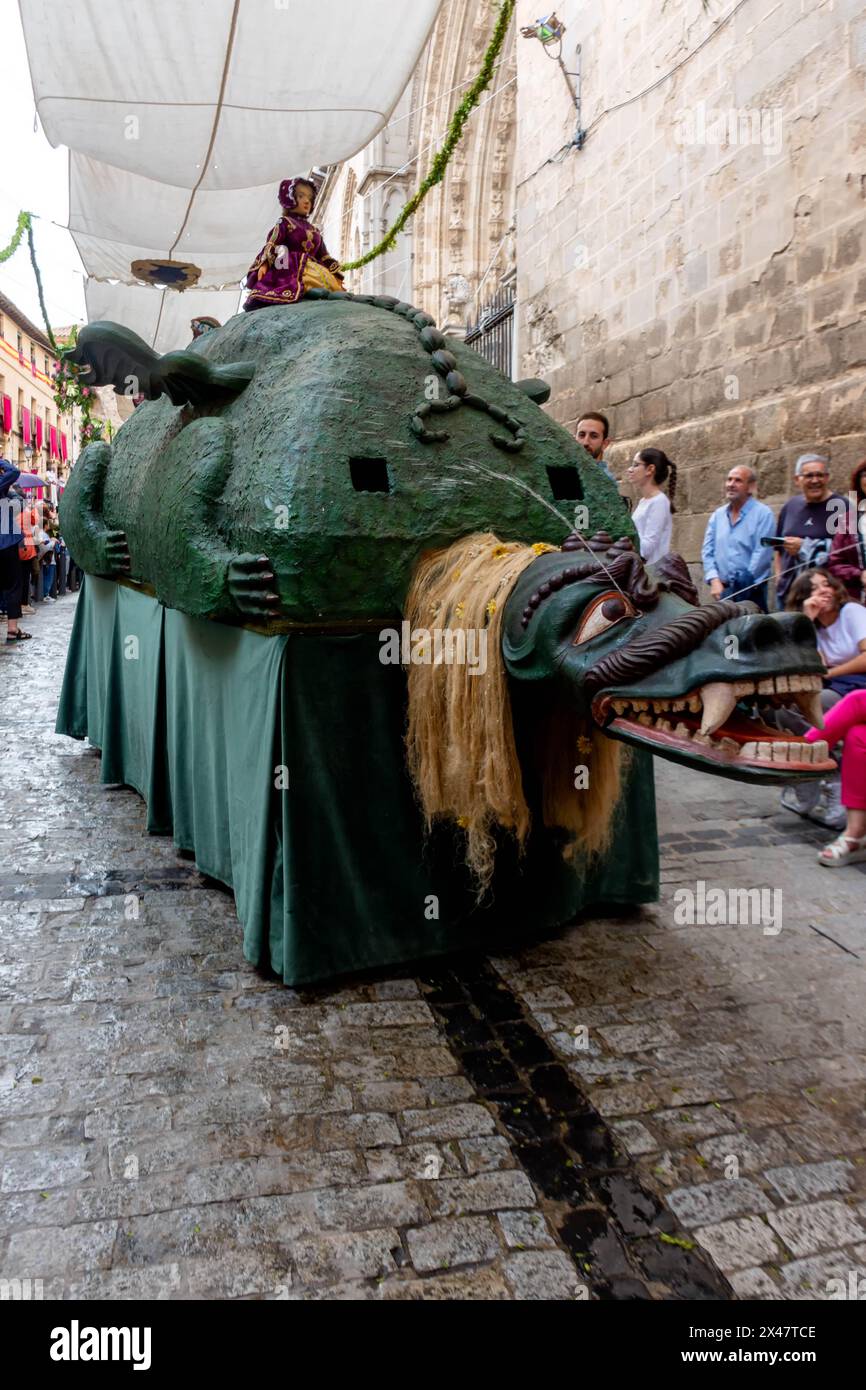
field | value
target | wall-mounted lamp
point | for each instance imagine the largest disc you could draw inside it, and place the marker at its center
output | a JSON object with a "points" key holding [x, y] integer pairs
{"points": [[549, 32]]}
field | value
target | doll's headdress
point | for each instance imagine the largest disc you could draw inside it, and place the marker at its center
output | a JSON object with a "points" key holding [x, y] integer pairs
{"points": [[288, 194]]}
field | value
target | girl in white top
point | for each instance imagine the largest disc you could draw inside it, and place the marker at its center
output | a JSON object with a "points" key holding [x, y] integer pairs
{"points": [[840, 625], [647, 472]]}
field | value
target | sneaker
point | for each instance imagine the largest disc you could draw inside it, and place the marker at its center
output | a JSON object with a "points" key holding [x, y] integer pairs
{"points": [[28, 609], [828, 810], [800, 797]]}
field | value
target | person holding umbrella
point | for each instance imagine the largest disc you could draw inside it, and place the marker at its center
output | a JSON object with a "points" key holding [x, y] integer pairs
{"points": [[10, 539]]}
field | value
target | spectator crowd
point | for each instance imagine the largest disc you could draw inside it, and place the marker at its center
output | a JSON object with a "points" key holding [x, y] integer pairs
{"points": [[813, 555], [35, 564]]}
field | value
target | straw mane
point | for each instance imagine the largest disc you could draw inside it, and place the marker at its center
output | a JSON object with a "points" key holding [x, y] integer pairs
{"points": [[460, 741]]}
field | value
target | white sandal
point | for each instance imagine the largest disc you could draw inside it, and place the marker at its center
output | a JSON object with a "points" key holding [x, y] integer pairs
{"points": [[846, 849]]}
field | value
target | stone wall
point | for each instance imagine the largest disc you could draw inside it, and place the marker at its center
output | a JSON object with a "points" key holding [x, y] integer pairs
{"points": [[696, 269]]}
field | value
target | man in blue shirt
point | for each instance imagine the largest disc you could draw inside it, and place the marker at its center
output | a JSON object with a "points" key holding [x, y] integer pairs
{"points": [[735, 562]]}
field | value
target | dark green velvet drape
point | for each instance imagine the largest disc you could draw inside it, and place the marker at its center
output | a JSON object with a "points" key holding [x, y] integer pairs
{"points": [[279, 762]]}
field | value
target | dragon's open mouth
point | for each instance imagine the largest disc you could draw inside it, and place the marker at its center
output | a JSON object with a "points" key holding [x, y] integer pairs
{"points": [[707, 724]]}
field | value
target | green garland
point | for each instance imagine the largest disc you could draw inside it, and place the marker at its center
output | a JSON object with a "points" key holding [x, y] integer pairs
{"points": [[21, 228], [455, 130], [39, 286], [70, 393], [25, 224]]}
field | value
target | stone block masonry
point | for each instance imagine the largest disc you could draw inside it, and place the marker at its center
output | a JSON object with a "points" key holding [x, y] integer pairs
{"points": [[697, 270]]}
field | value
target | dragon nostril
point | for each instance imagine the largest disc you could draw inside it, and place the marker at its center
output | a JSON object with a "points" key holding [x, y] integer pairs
{"points": [[802, 630], [766, 634]]}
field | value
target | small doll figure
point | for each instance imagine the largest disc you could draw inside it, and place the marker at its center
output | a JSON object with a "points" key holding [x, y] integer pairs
{"points": [[294, 257], [203, 324]]}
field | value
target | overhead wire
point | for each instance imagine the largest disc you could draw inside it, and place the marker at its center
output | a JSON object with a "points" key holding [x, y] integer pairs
{"points": [[572, 144]]}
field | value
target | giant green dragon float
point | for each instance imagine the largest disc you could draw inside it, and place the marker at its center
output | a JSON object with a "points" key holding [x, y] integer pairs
{"points": [[370, 633]]}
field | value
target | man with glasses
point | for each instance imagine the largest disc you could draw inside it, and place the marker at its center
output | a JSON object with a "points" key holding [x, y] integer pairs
{"points": [[805, 523]]}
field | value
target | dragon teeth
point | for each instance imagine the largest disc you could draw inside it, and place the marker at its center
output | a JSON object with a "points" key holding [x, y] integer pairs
{"points": [[800, 753], [718, 701], [820, 751], [809, 703]]}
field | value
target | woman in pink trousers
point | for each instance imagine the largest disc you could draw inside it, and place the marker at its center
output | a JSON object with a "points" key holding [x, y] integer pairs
{"points": [[847, 720]]}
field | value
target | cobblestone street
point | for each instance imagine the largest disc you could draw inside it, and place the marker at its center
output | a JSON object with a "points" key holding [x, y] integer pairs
{"points": [[635, 1109]]}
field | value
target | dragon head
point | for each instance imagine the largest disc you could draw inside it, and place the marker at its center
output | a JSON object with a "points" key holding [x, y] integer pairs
{"points": [[628, 647]]}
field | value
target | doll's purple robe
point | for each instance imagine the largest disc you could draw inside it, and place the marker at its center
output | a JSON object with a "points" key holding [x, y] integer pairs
{"points": [[277, 275]]}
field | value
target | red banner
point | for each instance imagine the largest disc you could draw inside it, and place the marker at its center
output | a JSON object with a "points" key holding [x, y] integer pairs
{"points": [[7, 414], [25, 424], [63, 448], [52, 434], [39, 431]]}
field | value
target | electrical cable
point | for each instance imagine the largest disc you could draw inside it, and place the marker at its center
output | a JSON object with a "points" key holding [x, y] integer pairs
{"points": [[557, 157]]}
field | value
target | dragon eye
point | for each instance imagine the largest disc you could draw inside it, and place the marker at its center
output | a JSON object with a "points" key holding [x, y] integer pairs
{"points": [[604, 612]]}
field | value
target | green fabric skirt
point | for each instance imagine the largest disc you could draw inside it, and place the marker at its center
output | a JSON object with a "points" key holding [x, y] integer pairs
{"points": [[279, 763]]}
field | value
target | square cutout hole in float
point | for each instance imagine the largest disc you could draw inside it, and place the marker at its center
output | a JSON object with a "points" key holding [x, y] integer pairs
{"points": [[369, 475], [565, 483]]}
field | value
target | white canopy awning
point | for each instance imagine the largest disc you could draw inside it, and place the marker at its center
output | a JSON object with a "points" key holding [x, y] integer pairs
{"points": [[220, 232], [161, 317], [183, 117], [220, 94]]}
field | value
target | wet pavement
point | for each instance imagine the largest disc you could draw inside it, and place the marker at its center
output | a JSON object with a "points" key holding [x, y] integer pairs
{"points": [[647, 1106]]}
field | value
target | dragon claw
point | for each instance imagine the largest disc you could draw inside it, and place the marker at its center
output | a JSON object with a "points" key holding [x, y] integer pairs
{"points": [[117, 554], [249, 580]]}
